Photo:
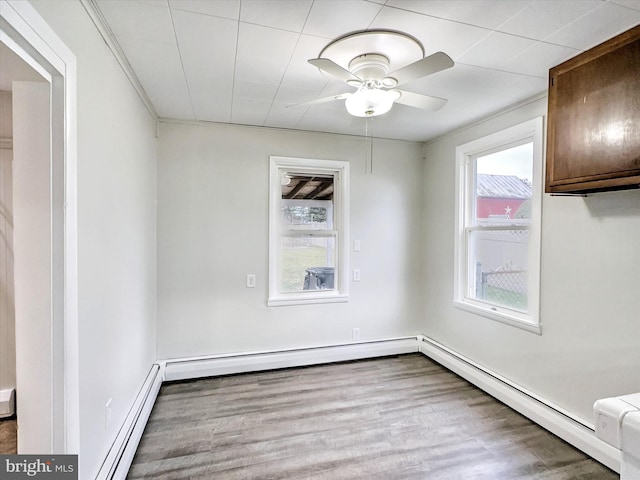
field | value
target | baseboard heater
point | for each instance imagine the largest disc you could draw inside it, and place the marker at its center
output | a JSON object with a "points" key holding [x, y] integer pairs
{"points": [[7, 402], [549, 416], [210, 366], [116, 464], [118, 461]]}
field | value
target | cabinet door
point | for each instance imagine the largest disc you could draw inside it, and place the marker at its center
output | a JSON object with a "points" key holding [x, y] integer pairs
{"points": [[593, 130]]}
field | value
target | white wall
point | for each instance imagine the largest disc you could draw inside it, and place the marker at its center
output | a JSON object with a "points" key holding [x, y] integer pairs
{"points": [[213, 230], [7, 313], [590, 279], [117, 152], [33, 238]]}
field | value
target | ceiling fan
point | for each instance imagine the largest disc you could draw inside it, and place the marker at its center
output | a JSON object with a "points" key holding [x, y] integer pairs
{"points": [[394, 58]]}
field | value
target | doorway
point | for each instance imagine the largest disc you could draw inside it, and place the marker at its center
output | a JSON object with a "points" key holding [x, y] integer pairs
{"points": [[8, 423], [24, 170], [41, 73]]}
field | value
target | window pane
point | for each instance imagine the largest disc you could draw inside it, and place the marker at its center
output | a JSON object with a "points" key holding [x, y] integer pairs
{"points": [[503, 185], [307, 201], [498, 262], [307, 215], [307, 263]]}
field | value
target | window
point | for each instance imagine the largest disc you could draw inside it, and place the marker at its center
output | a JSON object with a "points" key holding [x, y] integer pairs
{"points": [[308, 236], [498, 205]]}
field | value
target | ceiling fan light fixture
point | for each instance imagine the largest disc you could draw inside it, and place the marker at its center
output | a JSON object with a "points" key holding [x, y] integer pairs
{"points": [[370, 102]]}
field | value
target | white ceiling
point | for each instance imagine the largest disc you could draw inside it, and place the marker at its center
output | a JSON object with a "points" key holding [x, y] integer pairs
{"points": [[244, 61]]}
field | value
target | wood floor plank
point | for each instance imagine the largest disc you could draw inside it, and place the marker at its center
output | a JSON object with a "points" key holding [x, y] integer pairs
{"points": [[403, 417], [8, 436]]}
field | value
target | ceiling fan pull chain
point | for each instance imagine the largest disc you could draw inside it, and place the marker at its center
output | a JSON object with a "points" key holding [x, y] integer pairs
{"points": [[366, 150], [370, 154]]}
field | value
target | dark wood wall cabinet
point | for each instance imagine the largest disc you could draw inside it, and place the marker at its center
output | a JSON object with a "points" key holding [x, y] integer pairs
{"points": [[593, 125]]}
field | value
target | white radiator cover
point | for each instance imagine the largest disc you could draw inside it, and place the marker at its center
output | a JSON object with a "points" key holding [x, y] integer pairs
{"points": [[189, 368], [7, 402], [618, 424], [118, 460]]}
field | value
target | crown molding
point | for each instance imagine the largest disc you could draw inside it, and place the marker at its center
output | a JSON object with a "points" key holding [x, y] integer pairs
{"points": [[96, 15]]}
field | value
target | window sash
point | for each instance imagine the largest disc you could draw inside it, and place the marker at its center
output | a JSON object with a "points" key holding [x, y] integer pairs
{"points": [[497, 228], [467, 224], [296, 278], [470, 279], [339, 170], [309, 233]]}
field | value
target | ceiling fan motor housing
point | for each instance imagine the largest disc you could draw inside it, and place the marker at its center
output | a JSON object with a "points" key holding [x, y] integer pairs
{"points": [[369, 66]]}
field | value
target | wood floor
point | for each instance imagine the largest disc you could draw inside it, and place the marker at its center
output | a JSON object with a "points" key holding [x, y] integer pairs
{"points": [[8, 437], [402, 417]]}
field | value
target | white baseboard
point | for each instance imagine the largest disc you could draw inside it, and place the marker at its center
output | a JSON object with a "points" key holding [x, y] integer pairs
{"points": [[120, 456], [187, 368], [7, 402], [551, 417]]}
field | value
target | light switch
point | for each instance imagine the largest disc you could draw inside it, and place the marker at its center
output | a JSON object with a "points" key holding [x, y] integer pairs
{"points": [[356, 274], [356, 245]]}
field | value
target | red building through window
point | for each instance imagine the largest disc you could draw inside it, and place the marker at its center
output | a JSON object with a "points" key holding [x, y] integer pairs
{"points": [[502, 196]]}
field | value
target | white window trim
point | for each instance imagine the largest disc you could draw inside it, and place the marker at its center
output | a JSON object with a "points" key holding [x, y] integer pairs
{"points": [[340, 170], [532, 130]]}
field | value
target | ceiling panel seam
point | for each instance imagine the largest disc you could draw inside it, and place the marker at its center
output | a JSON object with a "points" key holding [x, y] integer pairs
{"points": [[235, 66], [184, 73], [275, 95]]}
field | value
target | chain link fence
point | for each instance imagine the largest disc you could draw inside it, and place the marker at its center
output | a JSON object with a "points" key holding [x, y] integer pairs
{"points": [[506, 285]]}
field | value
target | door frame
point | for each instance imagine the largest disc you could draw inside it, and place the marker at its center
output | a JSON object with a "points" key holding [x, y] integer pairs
{"points": [[24, 31]]}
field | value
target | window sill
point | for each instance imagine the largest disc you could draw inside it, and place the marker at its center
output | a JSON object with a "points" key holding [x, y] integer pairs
{"points": [[499, 316], [307, 299]]}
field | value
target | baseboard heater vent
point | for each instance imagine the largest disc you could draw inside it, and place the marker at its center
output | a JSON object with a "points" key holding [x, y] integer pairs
{"points": [[118, 460], [549, 416]]}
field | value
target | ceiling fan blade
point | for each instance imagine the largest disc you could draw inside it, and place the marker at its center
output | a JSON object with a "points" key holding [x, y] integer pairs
{"points": [[427, 66], [342, 96], [333, 69], [417, 100]]}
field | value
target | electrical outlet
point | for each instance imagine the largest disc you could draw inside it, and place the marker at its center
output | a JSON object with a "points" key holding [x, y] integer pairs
{"points": [[251, 280], [107, 414], [356, 274], [355, 333]]}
